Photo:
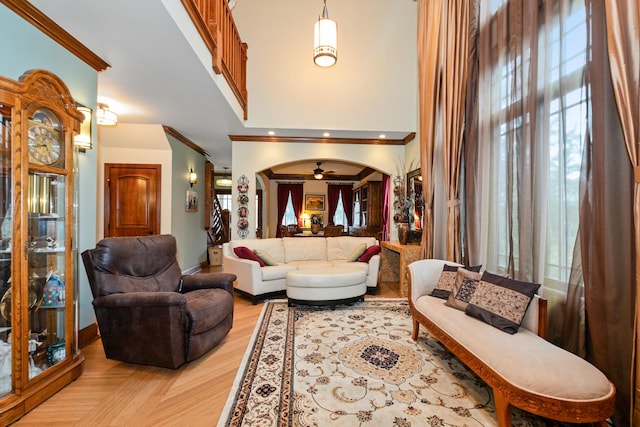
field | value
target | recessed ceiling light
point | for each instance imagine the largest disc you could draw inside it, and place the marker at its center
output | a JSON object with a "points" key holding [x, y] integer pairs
{"points": [[326, 134], [271, 133], [382, 136]]}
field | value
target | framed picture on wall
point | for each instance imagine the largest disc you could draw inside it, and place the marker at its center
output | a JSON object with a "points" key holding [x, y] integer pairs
{"points": [[314, 202], [191, 204]]}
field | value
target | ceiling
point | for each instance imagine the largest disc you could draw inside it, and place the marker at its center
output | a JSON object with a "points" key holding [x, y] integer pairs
{"points": [[146, 82]]}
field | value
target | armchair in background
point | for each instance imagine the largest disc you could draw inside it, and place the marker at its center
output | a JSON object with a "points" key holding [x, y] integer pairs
{"points": [[147, 311]]}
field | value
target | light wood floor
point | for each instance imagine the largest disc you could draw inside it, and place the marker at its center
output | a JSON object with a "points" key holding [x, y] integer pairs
{"points": [[111, 393]]}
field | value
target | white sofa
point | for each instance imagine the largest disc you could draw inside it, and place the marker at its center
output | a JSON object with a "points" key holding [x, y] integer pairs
{"points": [[524, 369], [293, 253]]}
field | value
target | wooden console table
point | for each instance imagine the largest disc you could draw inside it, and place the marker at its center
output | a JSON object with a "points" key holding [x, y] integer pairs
{"points": [[394, 260]]}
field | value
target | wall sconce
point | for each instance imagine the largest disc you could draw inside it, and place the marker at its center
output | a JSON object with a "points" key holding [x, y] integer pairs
{"points": [[193, 178], [325, 46], [106, 117], [82, 140]]}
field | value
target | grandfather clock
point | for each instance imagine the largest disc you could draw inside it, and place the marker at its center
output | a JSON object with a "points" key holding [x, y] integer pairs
{"points": [[38, 323]]}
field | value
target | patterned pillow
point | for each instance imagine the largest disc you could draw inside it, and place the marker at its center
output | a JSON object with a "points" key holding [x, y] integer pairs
{"points": [[463, 287], [265, 257], [246, 253], [501, 302], [447, 279]]}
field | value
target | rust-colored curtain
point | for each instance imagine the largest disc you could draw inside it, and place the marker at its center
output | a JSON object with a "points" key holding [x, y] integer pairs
{"points": [[623, 37], [454, 84], [430, 24]]}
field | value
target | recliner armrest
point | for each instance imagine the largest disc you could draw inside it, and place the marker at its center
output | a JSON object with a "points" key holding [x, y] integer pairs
{"points": [[193, 282], [140, 299]]}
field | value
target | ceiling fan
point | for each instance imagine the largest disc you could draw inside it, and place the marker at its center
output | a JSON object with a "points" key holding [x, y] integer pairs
{"points": [[318, 172]]}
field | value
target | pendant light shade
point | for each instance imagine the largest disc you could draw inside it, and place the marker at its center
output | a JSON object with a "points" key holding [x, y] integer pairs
{"points": [[325, 46], [106, 117]]}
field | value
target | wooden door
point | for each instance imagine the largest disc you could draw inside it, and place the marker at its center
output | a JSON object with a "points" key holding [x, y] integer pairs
{"points": [[132, 199]]}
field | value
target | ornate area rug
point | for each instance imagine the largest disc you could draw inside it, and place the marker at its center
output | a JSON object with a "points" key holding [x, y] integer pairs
{"points": [[355, 365]]}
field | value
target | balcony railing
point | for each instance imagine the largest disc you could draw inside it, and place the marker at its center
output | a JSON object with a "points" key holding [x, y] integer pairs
{"points": [[215, 24]]}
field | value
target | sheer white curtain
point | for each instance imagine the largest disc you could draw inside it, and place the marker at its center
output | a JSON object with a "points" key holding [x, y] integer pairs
{"points": [[532, 126]]}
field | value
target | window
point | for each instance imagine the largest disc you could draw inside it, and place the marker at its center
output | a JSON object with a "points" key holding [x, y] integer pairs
{"points": [[225, 201], [340, 217], [539, 125], [356, 209], [289, 213]]}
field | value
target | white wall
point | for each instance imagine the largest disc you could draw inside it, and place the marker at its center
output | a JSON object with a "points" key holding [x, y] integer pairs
{"points": [[376, 39]]}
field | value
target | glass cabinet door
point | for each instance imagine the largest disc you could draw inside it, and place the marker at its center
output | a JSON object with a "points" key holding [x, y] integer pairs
{"points": [[5, 250], [46, 261], [46, 207]]}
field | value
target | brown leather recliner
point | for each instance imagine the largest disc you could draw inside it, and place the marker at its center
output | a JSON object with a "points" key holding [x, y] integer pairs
{"points": [[147, 311]]}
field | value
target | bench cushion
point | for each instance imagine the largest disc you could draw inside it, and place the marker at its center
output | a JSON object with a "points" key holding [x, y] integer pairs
{"points": [[523, 359]]}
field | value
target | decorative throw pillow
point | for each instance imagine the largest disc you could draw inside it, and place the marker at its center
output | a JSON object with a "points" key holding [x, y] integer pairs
{"points": [[265, 257], [501, 302], [246, 253], [463, 287], [357, 252], [448, 278], [369, 252]]}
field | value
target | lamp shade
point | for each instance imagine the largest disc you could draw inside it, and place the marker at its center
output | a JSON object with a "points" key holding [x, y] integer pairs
{"points": [[325, 46], [224, 182], [106, 117]]}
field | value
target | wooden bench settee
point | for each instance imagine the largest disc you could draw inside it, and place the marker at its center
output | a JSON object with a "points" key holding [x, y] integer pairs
{"points": [[524, 369]]}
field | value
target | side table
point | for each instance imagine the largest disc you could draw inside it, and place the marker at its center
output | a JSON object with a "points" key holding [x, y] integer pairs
{"points": [[394, 260]]}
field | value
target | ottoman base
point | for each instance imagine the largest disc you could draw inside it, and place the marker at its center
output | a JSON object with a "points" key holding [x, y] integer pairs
{"points": [[329, 303], [326, 286]]}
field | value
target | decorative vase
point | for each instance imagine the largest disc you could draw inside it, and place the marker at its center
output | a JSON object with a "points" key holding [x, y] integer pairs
{"points": [[315, 228], [403, 233]]}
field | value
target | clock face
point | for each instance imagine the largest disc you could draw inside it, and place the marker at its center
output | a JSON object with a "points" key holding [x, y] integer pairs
{"points": [[45, 145]]}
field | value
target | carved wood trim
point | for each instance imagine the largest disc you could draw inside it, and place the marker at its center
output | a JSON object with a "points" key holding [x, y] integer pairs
{"points": [[594, 411], [45, 24]]}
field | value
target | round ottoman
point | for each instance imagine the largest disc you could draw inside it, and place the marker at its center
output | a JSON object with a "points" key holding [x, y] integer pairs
{"points": [[326, 286]]}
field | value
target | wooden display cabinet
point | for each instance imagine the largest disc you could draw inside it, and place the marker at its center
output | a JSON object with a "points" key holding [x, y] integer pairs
{"points": [[38, 327], [367, 209]]}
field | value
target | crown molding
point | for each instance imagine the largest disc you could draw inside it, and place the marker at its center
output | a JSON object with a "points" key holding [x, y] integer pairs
{"points": [[311, 140], [45, 24], [186, 141]]}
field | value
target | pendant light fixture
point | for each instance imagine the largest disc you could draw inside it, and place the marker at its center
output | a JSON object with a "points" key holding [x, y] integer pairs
{"points": [[225, 181], [325, 46], [106, 117]]}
